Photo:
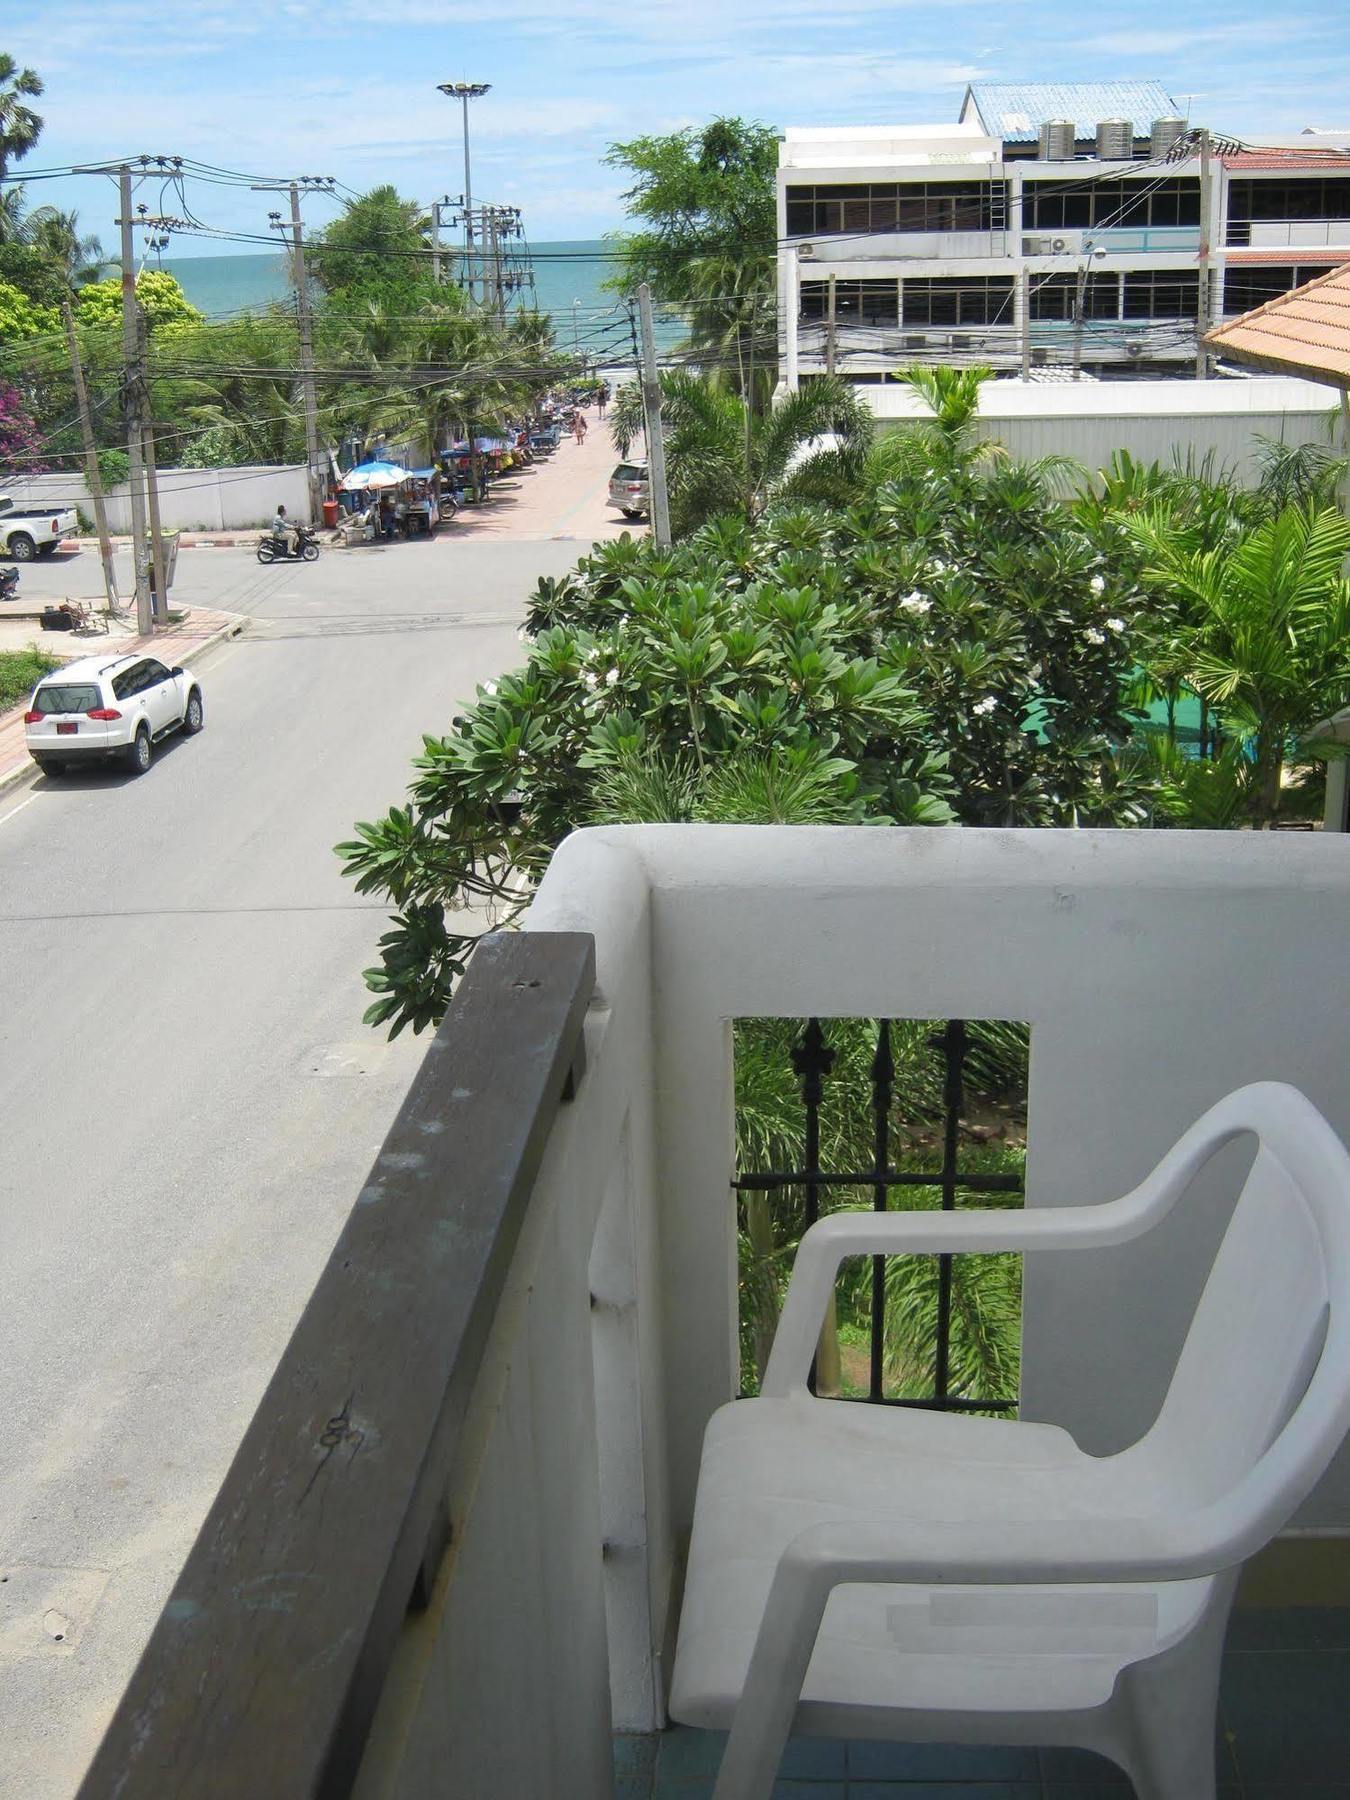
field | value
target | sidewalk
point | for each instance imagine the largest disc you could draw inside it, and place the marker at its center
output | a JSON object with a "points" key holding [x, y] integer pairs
{"points": [[180, 643]]}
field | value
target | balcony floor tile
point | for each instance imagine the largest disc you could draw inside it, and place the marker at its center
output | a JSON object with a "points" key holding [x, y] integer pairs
{"points": [[1284, 1734]]}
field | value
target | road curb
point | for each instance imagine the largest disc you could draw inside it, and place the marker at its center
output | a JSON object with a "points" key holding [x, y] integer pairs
{"points": [[27, 771]]}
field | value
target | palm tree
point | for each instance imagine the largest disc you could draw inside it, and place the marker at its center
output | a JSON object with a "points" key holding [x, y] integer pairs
{"points": [[723, 458], [733, 322], [77, 256], [1270, 642], [20, 126]]}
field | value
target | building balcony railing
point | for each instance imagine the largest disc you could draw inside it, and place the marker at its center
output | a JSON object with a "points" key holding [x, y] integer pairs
{"points": [[446, 1557], [1290, 234], [1051, 342], [1116, 240], [903, 246]]}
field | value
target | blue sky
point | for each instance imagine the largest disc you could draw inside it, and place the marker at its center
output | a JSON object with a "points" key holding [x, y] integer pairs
{"points": [[347, 87]]}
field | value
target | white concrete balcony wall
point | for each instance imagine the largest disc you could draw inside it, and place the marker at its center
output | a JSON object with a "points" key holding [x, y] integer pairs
{"points": [[544, 1632], [903, 248], [1278, 234]]}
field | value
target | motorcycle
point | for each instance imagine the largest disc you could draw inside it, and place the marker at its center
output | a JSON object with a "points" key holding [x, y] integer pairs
{"points": [[9, 583], [302, 548]]}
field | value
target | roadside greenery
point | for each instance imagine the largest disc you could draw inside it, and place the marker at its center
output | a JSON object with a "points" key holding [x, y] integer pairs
{"points": [[20, 672]]}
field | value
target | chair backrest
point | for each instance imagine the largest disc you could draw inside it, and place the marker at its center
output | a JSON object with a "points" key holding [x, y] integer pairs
{"points": [[1253, 1344]]}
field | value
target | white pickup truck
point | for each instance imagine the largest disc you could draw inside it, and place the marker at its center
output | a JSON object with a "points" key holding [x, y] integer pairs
{"points": [[26, 533]]}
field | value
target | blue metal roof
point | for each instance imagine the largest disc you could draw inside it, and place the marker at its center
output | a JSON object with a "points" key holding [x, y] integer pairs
{"points": [[1015, 110]]}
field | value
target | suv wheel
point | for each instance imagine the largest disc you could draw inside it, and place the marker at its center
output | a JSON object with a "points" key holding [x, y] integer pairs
{"points": [[193, 719], [140, 755], [49, 765], [21, 547]]}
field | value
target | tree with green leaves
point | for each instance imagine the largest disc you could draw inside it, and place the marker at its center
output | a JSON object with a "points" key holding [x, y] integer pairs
{"points": [[75, 255], [1267, 640], [161, 299], [724, 458], [706, 240], [20, 126], [379, 247]]}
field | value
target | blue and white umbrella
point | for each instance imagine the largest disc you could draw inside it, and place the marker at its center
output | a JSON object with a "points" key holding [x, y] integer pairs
{"points": [[373, 475]]}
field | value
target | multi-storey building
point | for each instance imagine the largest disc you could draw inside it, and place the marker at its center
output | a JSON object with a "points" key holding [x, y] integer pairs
{"points": [[1073, 227]]}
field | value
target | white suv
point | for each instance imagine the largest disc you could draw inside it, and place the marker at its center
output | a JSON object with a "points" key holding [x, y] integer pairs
{"points": [[107, 706]]}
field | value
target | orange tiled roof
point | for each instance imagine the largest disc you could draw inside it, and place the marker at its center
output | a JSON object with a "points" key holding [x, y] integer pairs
{"points": [[1292, 253], [1285, 159], [1305, 332]]}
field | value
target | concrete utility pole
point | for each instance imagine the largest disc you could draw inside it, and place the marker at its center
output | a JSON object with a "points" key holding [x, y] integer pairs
{"points": [[1091, 254], [1202, 320], [831, 333], [464, 91], [160, 593], [134, 383], [651, 407], [91, 469], [310, 184]]}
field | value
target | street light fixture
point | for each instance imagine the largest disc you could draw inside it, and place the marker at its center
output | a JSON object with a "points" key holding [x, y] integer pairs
{"points": [[1091, 253], [464, 91]]}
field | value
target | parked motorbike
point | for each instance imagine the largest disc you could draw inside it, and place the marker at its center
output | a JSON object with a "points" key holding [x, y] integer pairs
{"points": [[300, 548], [447, 506], [9, 583]]}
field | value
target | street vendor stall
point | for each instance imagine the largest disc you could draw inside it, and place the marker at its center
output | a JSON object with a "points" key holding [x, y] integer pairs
{"points": [[423, 490], [368, 494]]}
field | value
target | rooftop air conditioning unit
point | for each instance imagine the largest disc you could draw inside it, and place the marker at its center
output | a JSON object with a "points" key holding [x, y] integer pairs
{"points": [[913, 341], [1057, 140], [806, 251], [1056, 246], [1134, 349], [1164, 134], [1040, 358], [1115, 140]]}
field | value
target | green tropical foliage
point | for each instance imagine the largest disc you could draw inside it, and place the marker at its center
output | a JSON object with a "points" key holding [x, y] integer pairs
{"points": [[20, 126], [726, 459], [1269, 646], [703, 203]]}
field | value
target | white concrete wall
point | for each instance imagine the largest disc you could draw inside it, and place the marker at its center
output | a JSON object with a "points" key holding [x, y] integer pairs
{"points": [[1152, 419], [189, 499], [545, 1631]]}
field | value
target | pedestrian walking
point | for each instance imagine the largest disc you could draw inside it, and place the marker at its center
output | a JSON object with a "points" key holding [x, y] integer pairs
{"points": [[579, 425], [602, 395]]}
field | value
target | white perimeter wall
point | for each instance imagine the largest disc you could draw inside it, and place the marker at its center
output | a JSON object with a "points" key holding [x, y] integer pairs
{"points": [[189, 499], [1153, 420]]}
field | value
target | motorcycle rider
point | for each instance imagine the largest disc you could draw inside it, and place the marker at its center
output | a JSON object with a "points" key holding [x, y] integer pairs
{"points": [[281, 532]]}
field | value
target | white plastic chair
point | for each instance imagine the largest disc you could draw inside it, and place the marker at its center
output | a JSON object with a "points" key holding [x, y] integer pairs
{"points": [[866, 1571]]}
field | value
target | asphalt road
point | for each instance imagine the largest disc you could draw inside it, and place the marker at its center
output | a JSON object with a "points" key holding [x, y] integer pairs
{"points": [[190, 1101]]}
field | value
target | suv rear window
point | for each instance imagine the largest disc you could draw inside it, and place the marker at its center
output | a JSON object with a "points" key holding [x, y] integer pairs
{"points": [[69, 697], [628, 472]]}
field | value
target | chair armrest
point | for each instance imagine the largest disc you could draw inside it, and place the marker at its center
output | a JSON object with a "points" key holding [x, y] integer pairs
{"points": [[1278, 1115], [826, 1244]]}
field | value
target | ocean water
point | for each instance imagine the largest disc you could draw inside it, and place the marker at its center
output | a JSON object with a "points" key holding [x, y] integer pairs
{"points": [[568, 280]]}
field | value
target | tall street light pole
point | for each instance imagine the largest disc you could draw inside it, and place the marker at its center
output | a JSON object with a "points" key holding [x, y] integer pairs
{"points": [[464, 91]]}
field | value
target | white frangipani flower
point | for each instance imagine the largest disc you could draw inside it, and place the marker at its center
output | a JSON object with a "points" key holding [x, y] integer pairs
{"points": [[915, 603], [1098, 584], [611, 678], [592, 681], [1116, 625], [1094, 636], [986, 706]]}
